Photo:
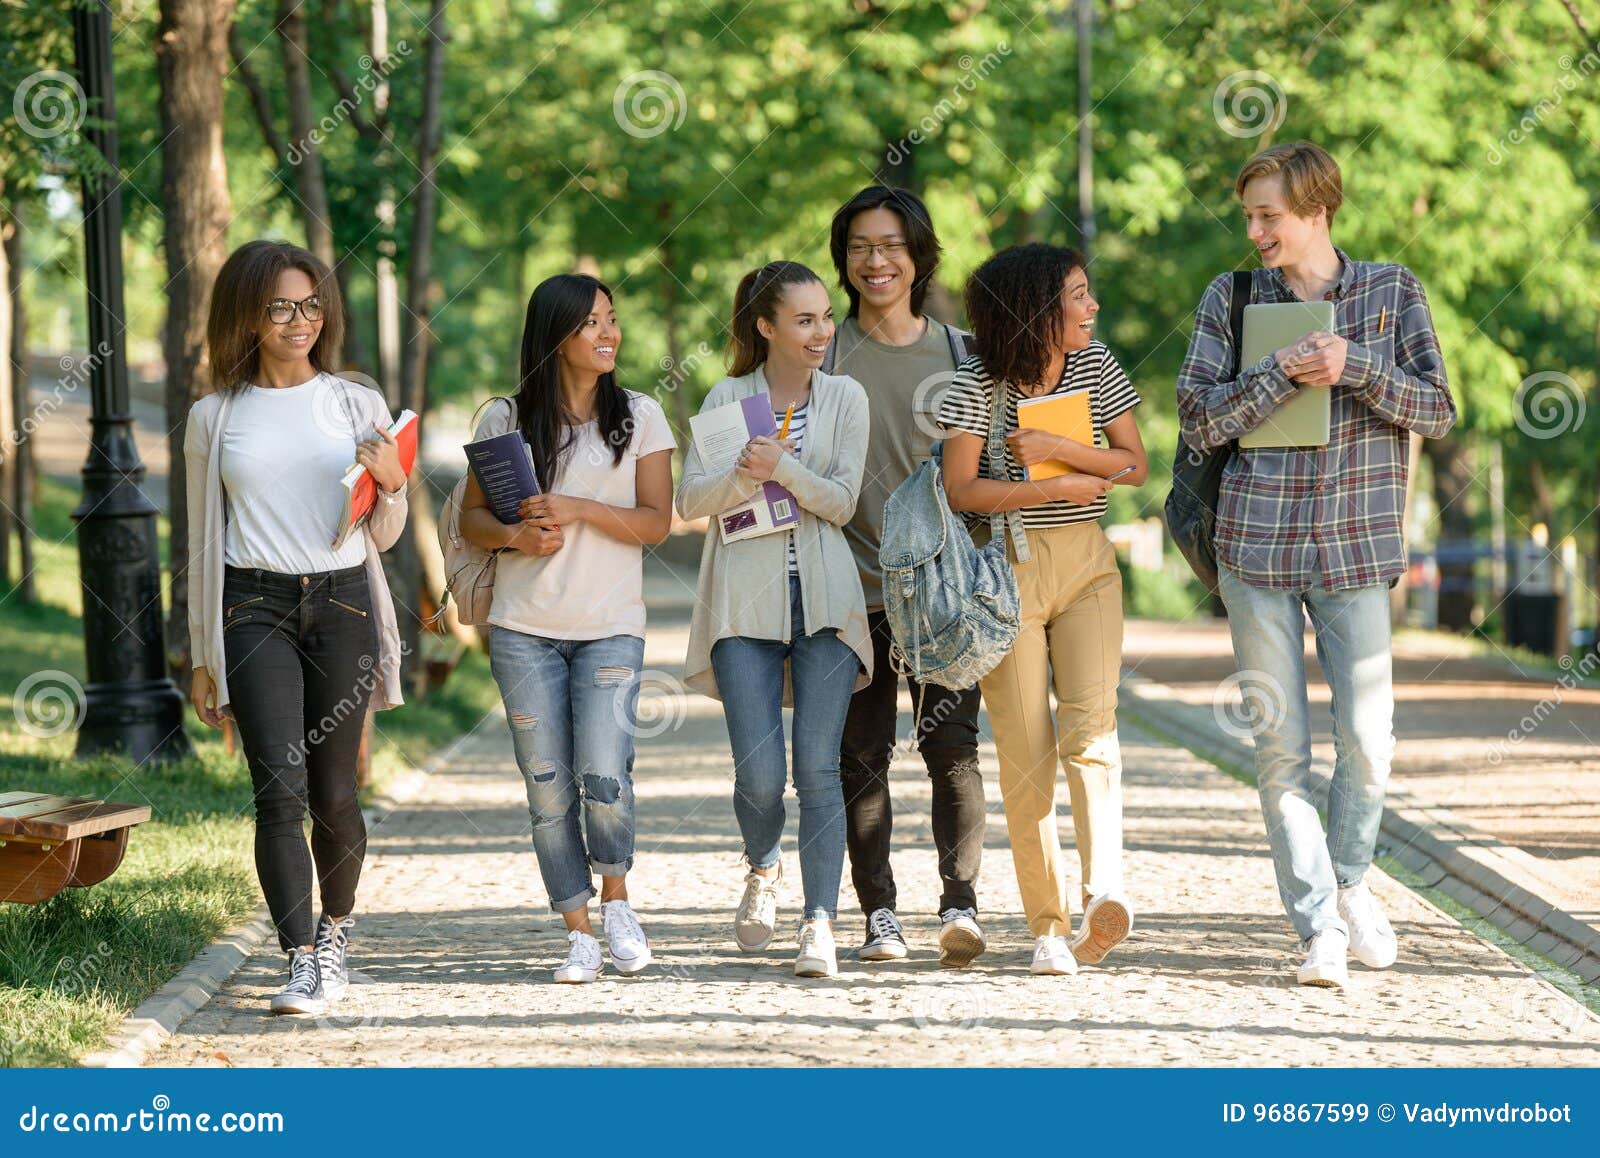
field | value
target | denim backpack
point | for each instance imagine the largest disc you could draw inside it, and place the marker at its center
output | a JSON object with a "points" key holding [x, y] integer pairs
{"points": [[952, 607]]}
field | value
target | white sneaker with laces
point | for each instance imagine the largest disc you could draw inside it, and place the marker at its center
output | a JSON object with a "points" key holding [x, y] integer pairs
{"points": [[625, 939], [1106, 923], [757, 917], [1372, 938], [960, 938], [1325, 965], [1052, 957], [583, 963], [818, 956], [332, 949]]}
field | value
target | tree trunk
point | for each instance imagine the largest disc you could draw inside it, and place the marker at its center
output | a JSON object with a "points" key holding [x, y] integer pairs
{"points": [[22, 461], [681, 409], [405, 559], [191, 60], [1452, 481], [10, 413]]}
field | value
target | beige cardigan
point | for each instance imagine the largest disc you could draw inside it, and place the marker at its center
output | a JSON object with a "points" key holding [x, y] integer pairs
{"points": [[743, 589], [202, 453]]}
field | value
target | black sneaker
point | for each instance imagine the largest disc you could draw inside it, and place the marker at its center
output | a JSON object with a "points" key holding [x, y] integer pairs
{"points": [[304, 993], [333, 944], [886, 941]]}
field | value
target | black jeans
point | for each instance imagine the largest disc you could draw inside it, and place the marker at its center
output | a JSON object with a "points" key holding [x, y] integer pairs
{"points": [[948, 732], [301, 652]]}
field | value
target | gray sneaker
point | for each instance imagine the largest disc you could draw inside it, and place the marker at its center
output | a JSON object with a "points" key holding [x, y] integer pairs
{"points": [[304, 992], [332, 949], [757, 917]]}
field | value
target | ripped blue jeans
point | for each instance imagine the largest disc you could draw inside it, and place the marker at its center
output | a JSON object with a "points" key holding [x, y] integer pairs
{"points": [[571, 705]]}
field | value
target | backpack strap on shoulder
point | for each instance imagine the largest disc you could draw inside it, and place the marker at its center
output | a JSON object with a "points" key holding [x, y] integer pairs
{"points": [[1011, 520], [1243, 284]]}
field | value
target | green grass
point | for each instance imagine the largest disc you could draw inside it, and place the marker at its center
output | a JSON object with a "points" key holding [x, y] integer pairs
{"points": [[73, 967]]}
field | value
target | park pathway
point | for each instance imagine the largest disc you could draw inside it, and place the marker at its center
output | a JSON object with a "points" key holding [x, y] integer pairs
{"points": [[453, 945]]}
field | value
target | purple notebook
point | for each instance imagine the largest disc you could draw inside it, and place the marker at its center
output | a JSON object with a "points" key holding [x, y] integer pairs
{"points": [[719, 436]]}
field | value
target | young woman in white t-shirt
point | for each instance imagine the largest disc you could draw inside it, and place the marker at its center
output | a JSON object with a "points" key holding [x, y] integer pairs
{"points": [[566, 629], [291, 636]]}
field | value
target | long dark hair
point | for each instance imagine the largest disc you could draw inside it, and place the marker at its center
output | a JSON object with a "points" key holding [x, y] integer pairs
{"points": [[1014, 305], [758, 296], [922, 244], [247, 281], [558, 307]]}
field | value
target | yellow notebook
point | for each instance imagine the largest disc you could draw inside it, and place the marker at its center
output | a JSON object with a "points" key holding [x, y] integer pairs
{"points": [[1064, 414]]}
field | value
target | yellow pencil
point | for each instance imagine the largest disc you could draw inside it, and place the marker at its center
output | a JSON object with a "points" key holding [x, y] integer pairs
{"points": [[1383, 314], [783, 433]]}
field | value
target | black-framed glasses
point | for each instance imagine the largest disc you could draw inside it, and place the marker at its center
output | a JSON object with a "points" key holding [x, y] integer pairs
{"points": [[281, 310], [860, 250]]}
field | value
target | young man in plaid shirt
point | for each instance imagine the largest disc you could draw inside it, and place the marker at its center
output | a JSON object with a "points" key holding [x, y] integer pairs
{"points": [[1320, 529]]}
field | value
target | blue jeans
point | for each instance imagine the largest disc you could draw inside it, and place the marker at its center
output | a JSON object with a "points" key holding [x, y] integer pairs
{"points": [[1352, 632], [571, 705], [750, 674]]}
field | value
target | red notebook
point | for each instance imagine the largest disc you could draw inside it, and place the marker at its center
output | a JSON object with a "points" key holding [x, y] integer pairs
{"points": [[361, 489]]}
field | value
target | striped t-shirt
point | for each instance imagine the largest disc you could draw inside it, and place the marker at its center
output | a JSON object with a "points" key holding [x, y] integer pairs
{"points": [[968, 400], [797, 432]]}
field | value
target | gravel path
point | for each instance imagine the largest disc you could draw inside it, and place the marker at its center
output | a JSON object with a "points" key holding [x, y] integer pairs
{"points": [[454, 943]]}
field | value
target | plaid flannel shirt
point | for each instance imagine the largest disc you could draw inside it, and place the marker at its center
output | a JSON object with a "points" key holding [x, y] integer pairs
{"points": [[1332, 515]]}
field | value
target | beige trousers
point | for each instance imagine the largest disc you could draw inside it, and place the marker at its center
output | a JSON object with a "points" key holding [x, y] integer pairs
{"points": [[1071, 642]]}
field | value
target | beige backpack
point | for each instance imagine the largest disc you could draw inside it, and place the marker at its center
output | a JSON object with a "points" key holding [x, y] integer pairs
{"points": [[468, 568]]}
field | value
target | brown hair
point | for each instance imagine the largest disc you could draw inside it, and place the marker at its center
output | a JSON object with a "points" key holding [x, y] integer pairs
{"points": [[247, 281], [758, 296], [1311, 179], [1014, 305]]}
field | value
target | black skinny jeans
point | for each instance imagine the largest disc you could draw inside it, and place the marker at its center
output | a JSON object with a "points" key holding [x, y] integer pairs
{"points": [[301, 654], [948, 733]]}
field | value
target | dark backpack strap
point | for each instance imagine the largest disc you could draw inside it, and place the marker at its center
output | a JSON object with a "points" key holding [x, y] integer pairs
{"points": [[1242, 285], [960, 343]]}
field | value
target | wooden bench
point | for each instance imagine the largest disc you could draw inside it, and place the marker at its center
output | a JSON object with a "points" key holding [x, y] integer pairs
{"points": [[49, 843]]}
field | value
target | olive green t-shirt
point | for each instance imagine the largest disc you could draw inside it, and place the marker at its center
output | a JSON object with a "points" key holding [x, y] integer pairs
{"points": [[904, 386]]}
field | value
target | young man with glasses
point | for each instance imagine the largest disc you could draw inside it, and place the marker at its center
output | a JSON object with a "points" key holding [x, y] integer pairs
{"points": [[886, 252]]}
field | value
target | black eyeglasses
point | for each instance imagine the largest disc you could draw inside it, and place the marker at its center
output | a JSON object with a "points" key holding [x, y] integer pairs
{"points": [[281, 310], [860, 250]]}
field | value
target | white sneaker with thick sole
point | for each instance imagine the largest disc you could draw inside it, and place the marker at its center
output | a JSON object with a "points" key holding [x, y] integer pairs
{"points": [[757, 916], [1106, 923], [1052, 957], [960, 938], [818, 956], [1325, 965], [583, 963], [1372, 938], [625, 939]]}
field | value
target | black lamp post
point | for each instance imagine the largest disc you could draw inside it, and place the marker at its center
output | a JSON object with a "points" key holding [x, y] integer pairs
{"points": [[131, 706]]}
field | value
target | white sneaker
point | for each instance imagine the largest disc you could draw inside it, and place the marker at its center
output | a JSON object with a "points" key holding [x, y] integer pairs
{"points": [[1372, 938], [1325, 965], [1106, 923], [625, 940], [757, 916], [818, 957], [583, 962], [960, 939], [1052, 957]]}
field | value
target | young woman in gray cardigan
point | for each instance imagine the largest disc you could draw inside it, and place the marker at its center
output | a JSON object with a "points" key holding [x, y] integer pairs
{"points": [[780, 619]]}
